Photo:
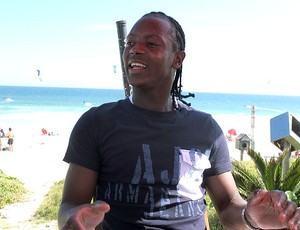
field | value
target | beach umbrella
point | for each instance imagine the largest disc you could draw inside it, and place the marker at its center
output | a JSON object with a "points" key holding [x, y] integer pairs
{"points": [[232, 132]]}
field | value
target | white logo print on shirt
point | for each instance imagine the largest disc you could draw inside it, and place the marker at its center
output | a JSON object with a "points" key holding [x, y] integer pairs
{"points": [[192, 166]]}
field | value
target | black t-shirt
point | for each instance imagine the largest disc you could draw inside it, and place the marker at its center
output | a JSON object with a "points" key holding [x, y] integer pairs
{"points": [[151, 165]]}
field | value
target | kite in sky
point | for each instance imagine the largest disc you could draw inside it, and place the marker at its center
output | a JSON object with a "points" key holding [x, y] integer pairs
{"points": [[39, 73]]}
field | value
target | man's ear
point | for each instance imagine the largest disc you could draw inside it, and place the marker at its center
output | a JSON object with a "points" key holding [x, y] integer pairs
{"points": [[178, 59]]}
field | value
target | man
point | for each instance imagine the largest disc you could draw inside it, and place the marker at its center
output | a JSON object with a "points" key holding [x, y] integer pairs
{"points": [[148, 161], [10, 141]]}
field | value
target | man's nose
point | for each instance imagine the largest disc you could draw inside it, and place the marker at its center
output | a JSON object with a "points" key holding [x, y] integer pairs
{"points": [[138, 48]]}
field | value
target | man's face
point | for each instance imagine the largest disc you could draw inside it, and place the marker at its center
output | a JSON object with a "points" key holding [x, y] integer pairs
{"points": [[149, 54]]}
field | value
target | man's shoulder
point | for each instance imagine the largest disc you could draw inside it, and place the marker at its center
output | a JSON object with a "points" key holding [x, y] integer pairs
{"points": [[108, 107], [195, 111], [112, 105]]}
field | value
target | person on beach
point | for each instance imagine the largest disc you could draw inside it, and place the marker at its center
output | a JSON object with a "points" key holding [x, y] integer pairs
{"points": [[2, 134], [10, 140], [147, 162]]}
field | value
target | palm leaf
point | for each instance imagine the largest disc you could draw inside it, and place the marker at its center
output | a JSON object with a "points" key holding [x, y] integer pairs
{"points": [[269, 178], [292, 196], [246, 180], [278, 175], [259, 162], [297, 193], [292, 178], [269, 175]]}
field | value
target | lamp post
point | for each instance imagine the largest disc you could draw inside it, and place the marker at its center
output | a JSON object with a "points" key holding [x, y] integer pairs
{"points": [[122, 33], [252, 126]]}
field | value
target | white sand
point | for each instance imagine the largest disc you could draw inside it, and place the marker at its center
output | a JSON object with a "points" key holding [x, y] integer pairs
{"points": [[242, 125], [37, 159]]}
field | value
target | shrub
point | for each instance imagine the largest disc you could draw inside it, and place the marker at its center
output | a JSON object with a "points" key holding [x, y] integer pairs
{"points": [[11, 190], [48, 210]]}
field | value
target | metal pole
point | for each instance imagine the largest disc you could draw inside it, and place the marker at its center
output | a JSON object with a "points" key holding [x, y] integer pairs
{"points": [[252, 126], [242, 155], [122, 33], [286, 160]]}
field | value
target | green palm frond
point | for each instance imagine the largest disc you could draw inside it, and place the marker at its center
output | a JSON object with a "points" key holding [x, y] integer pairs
{"points": [[259, 162], [269, 178], [292, 178], [298, 194], [246, 180], [296, 191], [267, 175], [278, 175], [292, 196]]}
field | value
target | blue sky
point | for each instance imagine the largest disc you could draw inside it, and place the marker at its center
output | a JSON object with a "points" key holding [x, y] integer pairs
{"points": [[232, 46]]}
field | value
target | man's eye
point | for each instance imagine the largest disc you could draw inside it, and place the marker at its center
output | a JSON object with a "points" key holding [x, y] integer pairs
{"points": [[152, 44], [129, 43]]}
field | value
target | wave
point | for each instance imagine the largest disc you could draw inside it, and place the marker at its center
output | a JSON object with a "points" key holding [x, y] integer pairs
{"points": [[7, 100]]}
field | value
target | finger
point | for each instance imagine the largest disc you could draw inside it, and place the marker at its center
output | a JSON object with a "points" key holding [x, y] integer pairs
{"points": [[93, 214], [294, 222], [280, 200], [101, 206], [256, 196], [289, 211]]}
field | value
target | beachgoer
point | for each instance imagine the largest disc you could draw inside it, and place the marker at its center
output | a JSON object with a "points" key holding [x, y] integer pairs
{"points": [[2, 134], [10, 141], [146, 162], [44, 131]]}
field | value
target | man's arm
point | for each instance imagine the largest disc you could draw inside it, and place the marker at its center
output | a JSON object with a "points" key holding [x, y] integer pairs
{"points": [[76, 209], [227, 200], [264, 209]]}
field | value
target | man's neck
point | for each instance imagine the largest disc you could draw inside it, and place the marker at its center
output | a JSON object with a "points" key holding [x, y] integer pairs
{"points": [[154, 103]]}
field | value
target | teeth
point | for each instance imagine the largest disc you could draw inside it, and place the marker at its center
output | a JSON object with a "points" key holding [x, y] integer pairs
{"points": [[135, 64]]}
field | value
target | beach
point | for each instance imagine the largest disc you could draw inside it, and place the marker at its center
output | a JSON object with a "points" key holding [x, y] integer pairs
{"points": [[38, 166], [242, 125], [36, 161], [37, 158]]}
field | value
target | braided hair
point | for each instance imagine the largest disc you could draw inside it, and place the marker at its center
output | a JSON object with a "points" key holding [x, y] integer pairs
{"points": [[179, 38]]}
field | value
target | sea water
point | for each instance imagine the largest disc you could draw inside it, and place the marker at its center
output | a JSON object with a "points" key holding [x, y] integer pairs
{"points": [[15, 99], [22, 100]]}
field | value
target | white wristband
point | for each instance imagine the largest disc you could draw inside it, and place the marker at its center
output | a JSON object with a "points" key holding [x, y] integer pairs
{"points": [[246, 222]]}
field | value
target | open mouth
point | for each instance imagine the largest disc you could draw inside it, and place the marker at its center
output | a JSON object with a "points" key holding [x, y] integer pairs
{"points": [[137, 65]]}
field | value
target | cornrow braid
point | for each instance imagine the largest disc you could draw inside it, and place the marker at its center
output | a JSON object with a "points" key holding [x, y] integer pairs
{"points": [[176, 90]]}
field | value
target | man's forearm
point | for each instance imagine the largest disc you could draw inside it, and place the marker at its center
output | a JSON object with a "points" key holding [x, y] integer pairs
{"points": [[231, 218], [63, 214]]}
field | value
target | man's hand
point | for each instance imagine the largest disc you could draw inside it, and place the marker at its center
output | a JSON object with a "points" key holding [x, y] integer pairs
{"points": [[272, 210], [87, 216]]}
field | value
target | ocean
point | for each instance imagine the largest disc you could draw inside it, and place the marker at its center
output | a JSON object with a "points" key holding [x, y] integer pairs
{"points": [[29, 109], [22, 100]]}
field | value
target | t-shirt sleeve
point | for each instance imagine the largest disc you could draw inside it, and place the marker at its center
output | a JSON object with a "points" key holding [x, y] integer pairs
{"points": [[219, 157], [82, 146]]}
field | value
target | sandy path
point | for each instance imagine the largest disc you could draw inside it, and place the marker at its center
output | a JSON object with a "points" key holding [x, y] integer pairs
{"points": [[38, 166]]}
